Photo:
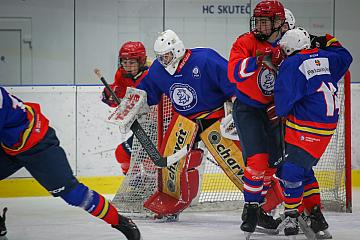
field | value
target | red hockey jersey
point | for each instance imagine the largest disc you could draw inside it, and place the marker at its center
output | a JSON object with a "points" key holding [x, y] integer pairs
{"points": [[255, 84]]}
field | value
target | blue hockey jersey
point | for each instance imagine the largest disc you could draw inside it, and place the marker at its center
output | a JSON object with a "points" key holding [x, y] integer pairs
{"points": [[306, 94], [21, 124], [199, 86]]}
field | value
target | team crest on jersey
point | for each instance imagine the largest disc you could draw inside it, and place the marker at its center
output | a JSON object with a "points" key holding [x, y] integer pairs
{"points": [[196, 72], [266, 81], [183, 96]]}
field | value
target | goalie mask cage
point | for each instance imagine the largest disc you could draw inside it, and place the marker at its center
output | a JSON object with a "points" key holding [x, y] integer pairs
{"points": [[217, 192]]}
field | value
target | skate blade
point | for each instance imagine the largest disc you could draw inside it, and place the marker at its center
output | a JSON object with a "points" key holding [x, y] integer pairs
{"points": [[309, 233], [267, 231], [165, 219], [247, 235], [323, 235]]}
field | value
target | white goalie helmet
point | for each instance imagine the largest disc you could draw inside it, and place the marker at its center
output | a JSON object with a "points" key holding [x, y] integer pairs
{"points": [[289, 18], [169, 50], [294, 40]]}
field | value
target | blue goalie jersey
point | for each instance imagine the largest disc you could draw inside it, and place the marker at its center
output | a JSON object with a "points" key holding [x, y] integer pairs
{"points": [[199, 87]]}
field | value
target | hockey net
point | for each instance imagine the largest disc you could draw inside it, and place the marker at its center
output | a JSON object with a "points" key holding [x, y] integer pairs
{"points": [[217, 191]]}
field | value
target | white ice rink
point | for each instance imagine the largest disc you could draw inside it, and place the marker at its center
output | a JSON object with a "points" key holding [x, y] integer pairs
{"points": [[45, 218]]}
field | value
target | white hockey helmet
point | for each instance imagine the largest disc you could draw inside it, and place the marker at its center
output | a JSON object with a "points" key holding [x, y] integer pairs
{"points": [[289, 18], [294, 40], [169, 50]]}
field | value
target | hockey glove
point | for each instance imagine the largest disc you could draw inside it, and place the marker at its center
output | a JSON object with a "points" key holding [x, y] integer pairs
{"points": [[323, 42], [107, 98], [271, 56]]}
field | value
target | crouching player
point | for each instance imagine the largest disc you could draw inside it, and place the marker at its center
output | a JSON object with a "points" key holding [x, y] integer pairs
{"points": [[306, 96], [28, 141], [132, 69]]}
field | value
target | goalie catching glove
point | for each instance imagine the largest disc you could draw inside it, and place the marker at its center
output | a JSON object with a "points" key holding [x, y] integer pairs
{"points": [[133, 107]]}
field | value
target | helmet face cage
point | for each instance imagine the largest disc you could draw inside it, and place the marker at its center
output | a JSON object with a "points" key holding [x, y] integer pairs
{"points": [[166, 58], [259, 23]]}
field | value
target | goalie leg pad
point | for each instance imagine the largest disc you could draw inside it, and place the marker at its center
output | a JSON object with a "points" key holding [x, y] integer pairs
{"points": [[164, 204], [226, 153]]}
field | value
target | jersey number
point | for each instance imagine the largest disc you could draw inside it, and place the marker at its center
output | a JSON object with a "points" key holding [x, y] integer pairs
{"points": [[331, 99]]}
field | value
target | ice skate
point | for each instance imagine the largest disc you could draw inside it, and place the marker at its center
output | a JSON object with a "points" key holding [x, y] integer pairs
{"points": [[318, 224], [267, 224], [291, 223], [3, 230], [128, 228], [250, 218]]}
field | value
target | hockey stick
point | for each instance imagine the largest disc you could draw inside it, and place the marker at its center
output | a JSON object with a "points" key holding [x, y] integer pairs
{"points": [[143, 138]]}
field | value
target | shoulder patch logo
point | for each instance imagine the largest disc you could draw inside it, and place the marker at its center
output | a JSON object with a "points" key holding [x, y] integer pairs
{"points": [[196, 72]]}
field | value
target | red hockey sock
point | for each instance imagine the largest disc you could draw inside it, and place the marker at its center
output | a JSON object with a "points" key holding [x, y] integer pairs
{"points": [[104, 210]]}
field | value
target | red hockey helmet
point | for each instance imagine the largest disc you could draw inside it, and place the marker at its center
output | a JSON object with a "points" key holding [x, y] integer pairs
{"points": [[269, 8], [133, 50]]}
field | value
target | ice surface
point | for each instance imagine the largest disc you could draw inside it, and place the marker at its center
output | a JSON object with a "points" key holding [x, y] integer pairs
{"points": [[48, 218]]}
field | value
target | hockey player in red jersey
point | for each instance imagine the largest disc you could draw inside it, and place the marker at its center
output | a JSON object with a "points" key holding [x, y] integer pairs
{"points": [[253, 57], [28, 141], [306, 95], [132, 69]]}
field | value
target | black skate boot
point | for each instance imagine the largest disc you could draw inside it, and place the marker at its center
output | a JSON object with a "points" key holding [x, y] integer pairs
{"points": [[128, 228], [318, 222], [291, 225], [250, 217], [267, 221], [3, 230]]}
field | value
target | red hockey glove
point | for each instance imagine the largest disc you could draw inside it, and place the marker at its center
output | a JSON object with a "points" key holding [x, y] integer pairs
{"points": [[107, 98], [272, 55], [270, 112]]}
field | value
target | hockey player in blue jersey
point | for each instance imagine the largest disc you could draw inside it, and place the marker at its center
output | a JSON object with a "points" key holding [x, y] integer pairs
{"points": [[306, 96], [196, 82], [194, 79], [28, 141]]}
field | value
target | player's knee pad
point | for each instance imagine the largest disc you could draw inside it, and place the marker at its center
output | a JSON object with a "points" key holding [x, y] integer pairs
{"points": [[78, 196], [258, 162], [123, 156]]}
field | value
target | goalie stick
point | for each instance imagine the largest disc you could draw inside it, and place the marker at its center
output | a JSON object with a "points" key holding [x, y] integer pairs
{"points": [[144, 139]]}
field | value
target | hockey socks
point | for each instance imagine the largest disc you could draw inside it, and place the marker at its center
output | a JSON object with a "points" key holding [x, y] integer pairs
{"points": [[92, 202]]}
